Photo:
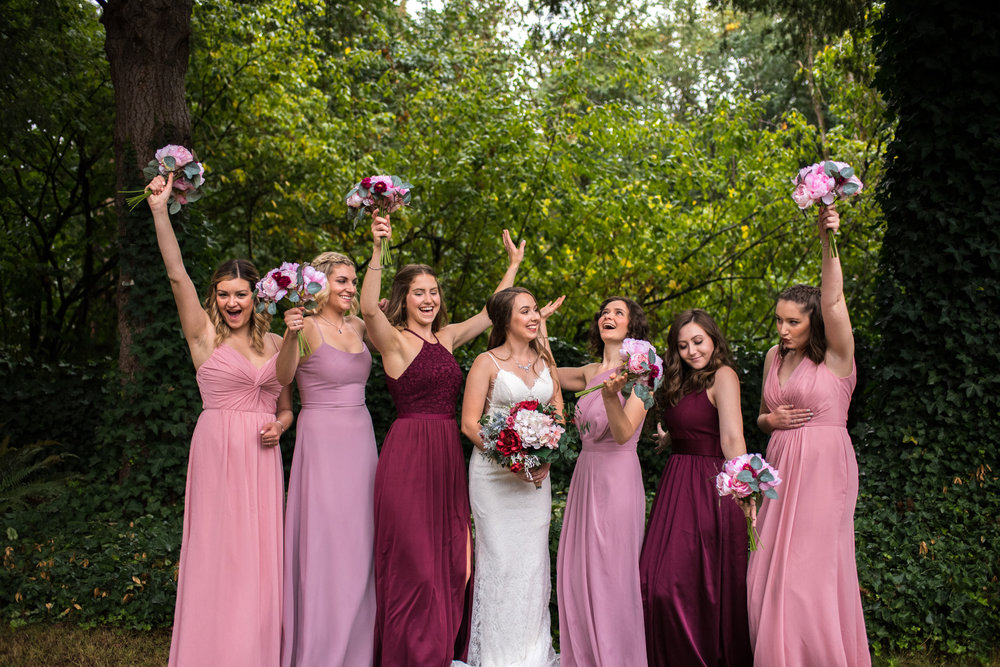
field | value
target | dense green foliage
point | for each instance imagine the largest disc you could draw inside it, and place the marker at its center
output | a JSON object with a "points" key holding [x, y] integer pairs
{"points": [[643, 150], [929, 515]]}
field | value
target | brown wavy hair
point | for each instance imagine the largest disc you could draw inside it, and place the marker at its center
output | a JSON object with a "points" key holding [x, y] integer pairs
{"points": [[500, 308], [638, 325], [325, 261], [679, 379], [260, 323], [808, 298], [396, 310]]}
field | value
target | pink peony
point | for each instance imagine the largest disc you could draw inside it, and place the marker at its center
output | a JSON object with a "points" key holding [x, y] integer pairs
{"points": [[180, 154]]}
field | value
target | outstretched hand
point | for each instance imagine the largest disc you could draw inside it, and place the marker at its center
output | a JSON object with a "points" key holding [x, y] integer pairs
{"points": [[551, 307], [614, 384], [514, 252]]}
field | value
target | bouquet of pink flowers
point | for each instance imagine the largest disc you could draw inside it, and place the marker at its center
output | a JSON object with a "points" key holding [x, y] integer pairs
{"points": [[297, 283], [643, 370], [522, 436], [748, 476], [189, 175], [383, 194], [825, 182]]}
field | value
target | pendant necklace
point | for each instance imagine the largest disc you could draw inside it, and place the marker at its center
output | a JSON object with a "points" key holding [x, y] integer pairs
{"points": [[525, 367], [331, 323]]}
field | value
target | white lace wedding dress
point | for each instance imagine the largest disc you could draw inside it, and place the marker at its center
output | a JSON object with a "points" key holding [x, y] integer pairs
{"points": [[510, 600]]}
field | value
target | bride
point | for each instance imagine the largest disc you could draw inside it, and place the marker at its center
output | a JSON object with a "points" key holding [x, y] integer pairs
{"points": [[510, 602]]}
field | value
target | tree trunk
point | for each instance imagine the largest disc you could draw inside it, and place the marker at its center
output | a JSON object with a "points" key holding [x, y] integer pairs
{"points": [[147, 48]]}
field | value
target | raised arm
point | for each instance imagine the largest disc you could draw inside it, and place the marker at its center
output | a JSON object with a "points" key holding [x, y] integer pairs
{"points": [[288, 354], [836, 320], [460, 333], [381, 333], [195, 323], [622, 419], [477, 386]]}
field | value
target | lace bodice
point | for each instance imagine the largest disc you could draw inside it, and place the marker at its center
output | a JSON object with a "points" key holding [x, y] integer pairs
{"points": [[509, 388]]}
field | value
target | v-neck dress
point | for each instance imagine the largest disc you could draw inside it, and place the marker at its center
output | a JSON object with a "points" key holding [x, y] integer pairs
{"points": [[600, 605], [228, 609], [802, 585]]}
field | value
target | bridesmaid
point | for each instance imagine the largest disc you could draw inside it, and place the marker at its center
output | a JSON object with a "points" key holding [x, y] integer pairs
{"points": [[694, 558], [597, 576], [228, 609], [804, 599], [329, 606], [423, 546]]}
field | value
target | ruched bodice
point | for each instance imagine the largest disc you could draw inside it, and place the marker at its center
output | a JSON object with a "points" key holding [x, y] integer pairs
{"points": [[430, 384], [815, 387], [332, 378], [229, 381], [592, 418], [694, 426]]}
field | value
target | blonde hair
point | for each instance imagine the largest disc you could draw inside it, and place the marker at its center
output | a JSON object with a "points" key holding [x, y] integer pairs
{"points": [[260, 323], [325, 262]]}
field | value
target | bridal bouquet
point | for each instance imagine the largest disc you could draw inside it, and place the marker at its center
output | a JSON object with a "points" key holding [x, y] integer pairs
{"points": [[522, 436], [825, 182], [189, 175], [643, 370], [748, 476], [383, 194], [297, 283]]}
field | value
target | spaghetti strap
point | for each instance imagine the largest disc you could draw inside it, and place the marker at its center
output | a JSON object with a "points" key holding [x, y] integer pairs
{"points": [[436, 341], [494, 361], [321, 336]]}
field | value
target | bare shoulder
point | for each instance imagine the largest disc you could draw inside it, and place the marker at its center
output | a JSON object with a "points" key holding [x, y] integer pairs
{"points": [[727, 377]]}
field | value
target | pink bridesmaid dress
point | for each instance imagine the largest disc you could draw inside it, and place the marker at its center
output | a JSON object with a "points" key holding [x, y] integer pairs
{"points": [[228, 610], [597, 581], [329, 608], [802, 586]]}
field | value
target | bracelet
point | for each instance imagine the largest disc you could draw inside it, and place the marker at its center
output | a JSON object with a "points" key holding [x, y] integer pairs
{"points": [[280, 425], [374, 268]]}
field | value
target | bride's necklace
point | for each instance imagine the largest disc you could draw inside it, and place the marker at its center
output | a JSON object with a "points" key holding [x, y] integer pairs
{"points": [[339, 330], [524, 367]]}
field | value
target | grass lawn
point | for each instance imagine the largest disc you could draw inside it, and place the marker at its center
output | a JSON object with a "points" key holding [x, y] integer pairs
{"points": [[59, 645]]}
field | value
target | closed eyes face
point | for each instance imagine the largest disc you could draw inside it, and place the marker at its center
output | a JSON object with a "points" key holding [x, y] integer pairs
{"points": [[694, 346], [524, 317], [423, 300], [343, 287], [792, 324], [234, 298], [613, 321]]}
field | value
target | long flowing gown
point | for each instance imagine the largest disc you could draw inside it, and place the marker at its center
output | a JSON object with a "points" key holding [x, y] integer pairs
{"points": [[804, 599], [600, 606], [510, 609], [228, 610], [422, 520], [329, 605], [694, 558]]}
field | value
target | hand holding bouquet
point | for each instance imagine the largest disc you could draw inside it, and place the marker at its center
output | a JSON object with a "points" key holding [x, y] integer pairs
{"points": [[522, 436], [378, 194], [824, 183], [189, 175], [298, 284], [643, 370], [748, 476]]}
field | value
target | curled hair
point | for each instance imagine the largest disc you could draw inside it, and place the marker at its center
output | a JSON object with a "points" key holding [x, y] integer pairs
{"points": [[260, 323], [500, 308], [325, 262], [638, 325], [396, 310], [679, 379], [807, 298]]}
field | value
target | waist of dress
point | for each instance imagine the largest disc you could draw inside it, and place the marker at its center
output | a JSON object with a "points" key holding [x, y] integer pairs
{"points": [[426, 415], [205, 408], [320, 405], [699, 447]]}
